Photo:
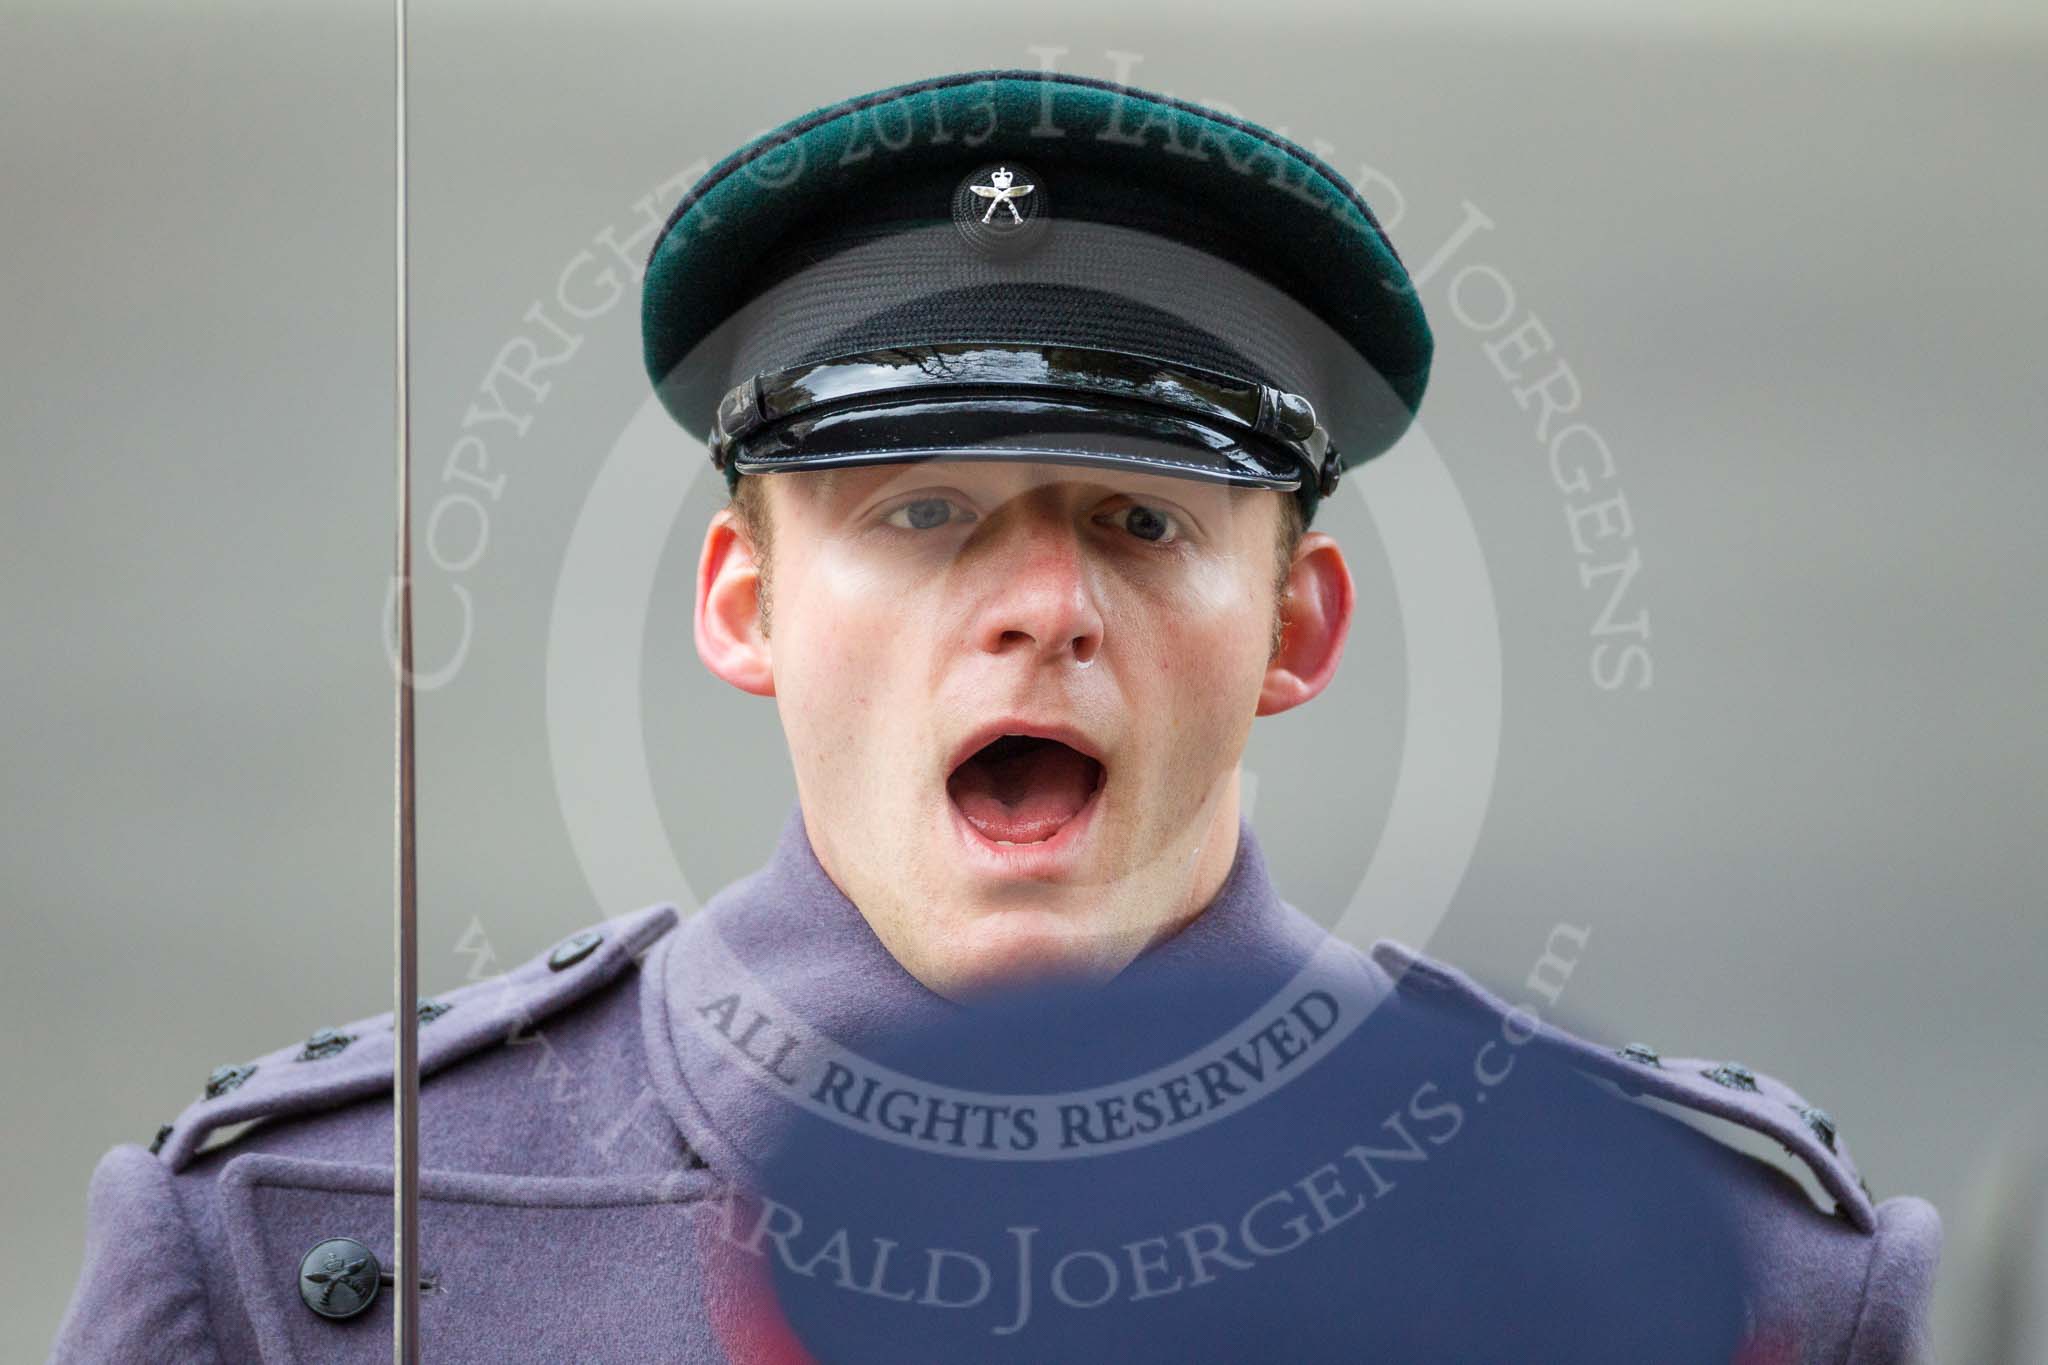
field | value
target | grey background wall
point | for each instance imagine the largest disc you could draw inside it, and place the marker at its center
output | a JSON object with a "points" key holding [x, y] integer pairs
{"points": [[1792, 256]]}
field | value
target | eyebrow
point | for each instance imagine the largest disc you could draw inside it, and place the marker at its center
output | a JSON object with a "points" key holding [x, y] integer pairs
{"points": [[832, 482], [826, 487]]}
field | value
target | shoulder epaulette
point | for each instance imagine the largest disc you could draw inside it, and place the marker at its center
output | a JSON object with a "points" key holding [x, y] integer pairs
{"points": [[1724, 1089], [337, 1065]]}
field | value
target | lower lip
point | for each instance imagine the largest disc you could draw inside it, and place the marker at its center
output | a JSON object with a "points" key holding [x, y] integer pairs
{"points": [[1048, 858]]}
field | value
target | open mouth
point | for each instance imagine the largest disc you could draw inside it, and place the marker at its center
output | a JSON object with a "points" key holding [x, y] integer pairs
{"points": [[1024, 789]]}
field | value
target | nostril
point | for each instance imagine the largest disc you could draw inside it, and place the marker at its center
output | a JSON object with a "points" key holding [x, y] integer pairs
{"points": [[1051, 643]]}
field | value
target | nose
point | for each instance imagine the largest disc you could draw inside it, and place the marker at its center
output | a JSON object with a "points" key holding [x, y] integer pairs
{"points": [[1042, 599]]}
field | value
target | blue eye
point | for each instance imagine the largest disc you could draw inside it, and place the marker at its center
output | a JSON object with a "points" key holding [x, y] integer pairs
{"points": [[1149, 523], [924, 514]]}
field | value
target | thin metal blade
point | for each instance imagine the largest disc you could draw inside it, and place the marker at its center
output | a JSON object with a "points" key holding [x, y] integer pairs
{"points": [[405, 1327]]}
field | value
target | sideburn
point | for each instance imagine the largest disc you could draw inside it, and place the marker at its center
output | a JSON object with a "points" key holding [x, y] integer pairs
{"points": [[749, 506]]}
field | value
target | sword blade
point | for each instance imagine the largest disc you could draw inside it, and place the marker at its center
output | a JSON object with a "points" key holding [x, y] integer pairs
{"points": [[405, 1084]]}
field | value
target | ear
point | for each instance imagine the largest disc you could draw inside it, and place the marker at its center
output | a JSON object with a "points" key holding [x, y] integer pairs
{"points": [[729, 636], [1315, 618]]}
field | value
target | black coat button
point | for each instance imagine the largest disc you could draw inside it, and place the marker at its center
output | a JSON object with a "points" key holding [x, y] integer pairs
{"points": [[226, 1078], [430, 1010], [1641, 1053], [1734, 1075], [326, 1043], [1823, 1126], [574, 949], [338, 1278]]}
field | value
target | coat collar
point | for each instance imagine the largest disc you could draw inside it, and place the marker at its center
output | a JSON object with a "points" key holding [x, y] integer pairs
{"points": [[750, 1002]]}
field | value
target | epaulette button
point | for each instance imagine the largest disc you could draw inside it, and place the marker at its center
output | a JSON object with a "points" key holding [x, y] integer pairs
{"points": [[574, 949]]}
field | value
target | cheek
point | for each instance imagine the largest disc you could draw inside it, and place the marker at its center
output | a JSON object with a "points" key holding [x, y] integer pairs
{"points": [[1203, 663], [841, 659]]}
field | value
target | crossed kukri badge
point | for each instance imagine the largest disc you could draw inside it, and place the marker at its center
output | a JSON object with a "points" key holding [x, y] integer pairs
{"points": [[1000, 191]]}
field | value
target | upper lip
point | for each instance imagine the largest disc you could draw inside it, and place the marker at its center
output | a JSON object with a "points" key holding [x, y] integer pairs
{"points": [[987, 734]]}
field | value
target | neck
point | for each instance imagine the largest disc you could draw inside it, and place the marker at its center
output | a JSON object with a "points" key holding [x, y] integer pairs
{"points": [[1208, 863]]}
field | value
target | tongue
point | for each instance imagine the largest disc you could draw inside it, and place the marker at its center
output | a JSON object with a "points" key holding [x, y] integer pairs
{"points": [[1022, 791]]}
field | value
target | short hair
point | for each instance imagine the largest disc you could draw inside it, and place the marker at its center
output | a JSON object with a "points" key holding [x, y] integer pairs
{"points": [[749, 506], [1293, 526]]}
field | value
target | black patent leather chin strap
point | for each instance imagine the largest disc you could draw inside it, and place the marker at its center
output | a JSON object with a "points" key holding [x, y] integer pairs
{"points": [[1271, 417]]}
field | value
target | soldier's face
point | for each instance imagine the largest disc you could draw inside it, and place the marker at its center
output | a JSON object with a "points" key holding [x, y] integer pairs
{"points": [[1016, 694]]}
